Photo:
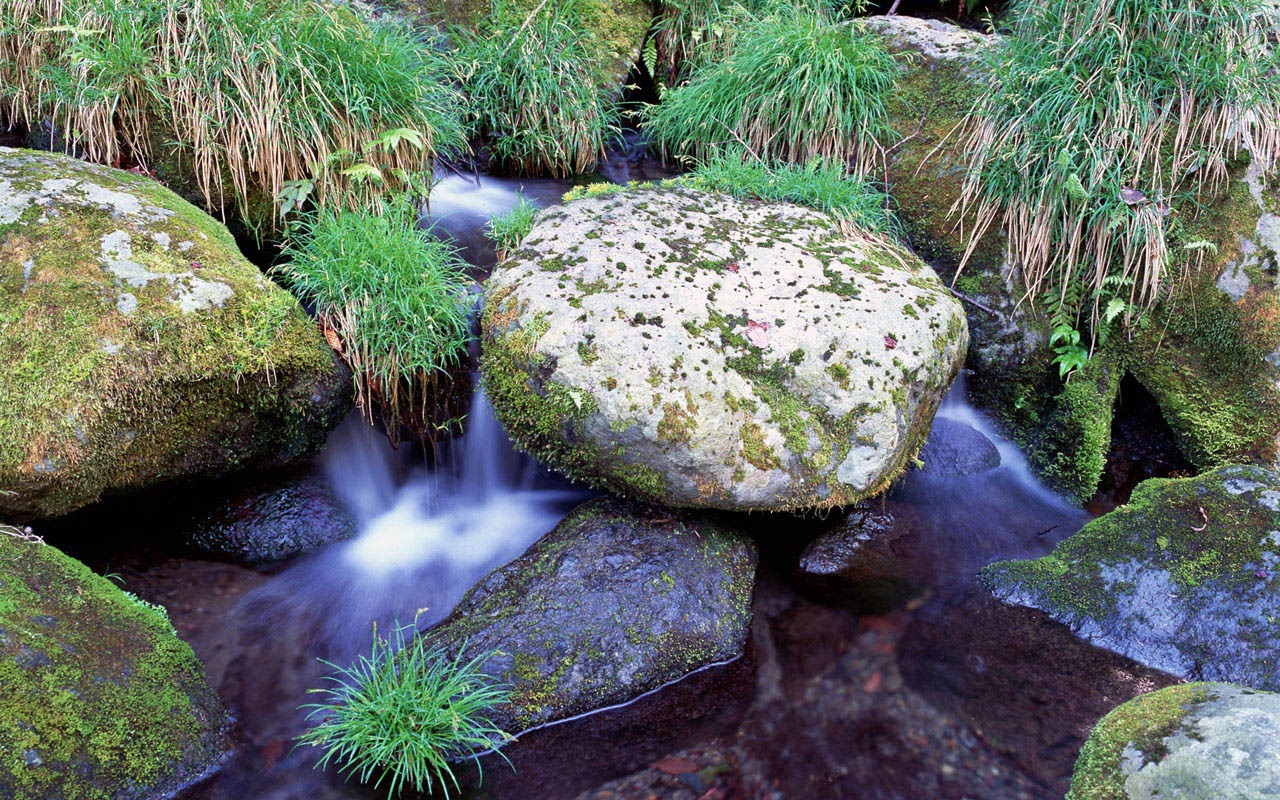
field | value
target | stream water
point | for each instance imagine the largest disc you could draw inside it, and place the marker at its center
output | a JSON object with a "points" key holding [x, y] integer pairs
{"points": [[942, 693]]}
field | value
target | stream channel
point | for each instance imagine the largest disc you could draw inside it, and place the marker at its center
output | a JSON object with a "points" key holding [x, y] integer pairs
{"points": [[917, 685]]}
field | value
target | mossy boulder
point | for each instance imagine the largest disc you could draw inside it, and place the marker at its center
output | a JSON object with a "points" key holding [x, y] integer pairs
{"points": [[98, 697], [1194, 741], [696, 350], [140, 346], [1186, 578], [1209, 353], [616, 601]]}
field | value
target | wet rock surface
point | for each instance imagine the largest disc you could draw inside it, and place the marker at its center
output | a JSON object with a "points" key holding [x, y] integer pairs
{"points": [[1184, 578], [856, 566], [954, 449], [616, 601]]}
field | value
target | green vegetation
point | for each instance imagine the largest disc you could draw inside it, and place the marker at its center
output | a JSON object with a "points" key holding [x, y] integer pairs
{"points": [[507, 230], [1103, 128], [394, 298], [403, 713], [253, 95], [796, 85], [532, 84]]}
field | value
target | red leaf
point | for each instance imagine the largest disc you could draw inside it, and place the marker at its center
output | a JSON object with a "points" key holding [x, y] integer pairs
{"points": [[872, 683], [195, 265], [733, 267], [674, 765], [758, 333], [890, 343]]}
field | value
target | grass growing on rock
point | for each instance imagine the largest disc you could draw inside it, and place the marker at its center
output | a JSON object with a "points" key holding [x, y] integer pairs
{"points": [[394, 296], [532, 82], [796, 85], [507, 230], [253, 95]]}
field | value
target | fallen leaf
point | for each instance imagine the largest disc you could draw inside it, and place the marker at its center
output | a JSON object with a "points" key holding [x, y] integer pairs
{"points": [[732, 267], [196, 265], [674, 765], [873, 683], [1132, 196], [890, 343], [758, 333]]}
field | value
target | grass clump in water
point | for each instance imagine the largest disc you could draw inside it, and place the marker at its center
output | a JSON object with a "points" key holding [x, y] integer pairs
{"points": [[796, 85], [393, 301], [253, 95], [1102, 125], [506, 231], [404, 713], [533, 85]]}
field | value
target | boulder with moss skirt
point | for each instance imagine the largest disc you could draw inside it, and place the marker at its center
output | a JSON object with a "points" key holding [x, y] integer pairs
{"points": [[1195, 741], [696, 350], [140, 346], [1186, 578], [99, 698], [618, 600], [1209, 355]]}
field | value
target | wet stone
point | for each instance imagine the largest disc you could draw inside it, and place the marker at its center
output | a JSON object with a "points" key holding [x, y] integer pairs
{"points": [[955, 449]]}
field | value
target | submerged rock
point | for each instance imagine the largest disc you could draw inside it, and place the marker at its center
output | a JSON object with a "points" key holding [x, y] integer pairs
{"points": [[1196, 741], [695, 350], [611, 604], [955, 449], [854, 565], [140, 346], [1186, 578], [99, 698], [262, 527]]}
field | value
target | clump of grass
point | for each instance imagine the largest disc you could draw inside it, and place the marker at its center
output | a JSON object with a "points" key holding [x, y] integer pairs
{"points": [[822, 184], [1106, 122], [533, 85], [507, 230], [689, 32], [252, 94], [796, 85], [394, 302], [404, 713]]}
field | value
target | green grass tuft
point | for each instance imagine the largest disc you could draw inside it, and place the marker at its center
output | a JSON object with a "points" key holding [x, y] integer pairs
{"points": [[507, 230], [395, 298], [404, 713], [534, 89], [796, 85]]}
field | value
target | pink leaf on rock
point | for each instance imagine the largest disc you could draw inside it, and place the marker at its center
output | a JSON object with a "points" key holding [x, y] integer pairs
{"points": [[758, 333], [890, 343]]}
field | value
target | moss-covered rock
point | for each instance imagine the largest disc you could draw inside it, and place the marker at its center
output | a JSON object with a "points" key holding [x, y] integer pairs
{"points": [[616, 601], [1186, 578], [695, 350], [1209, 354], [140, 346], [1195, 741], [98, 697]]}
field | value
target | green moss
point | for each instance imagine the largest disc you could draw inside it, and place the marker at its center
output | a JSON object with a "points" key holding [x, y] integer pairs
{"points": [[1140, 725], [95, 683], [754, 449]]}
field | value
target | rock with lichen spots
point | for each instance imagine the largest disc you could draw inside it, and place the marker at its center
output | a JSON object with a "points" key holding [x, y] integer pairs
{"points": [[618, 600], [99, 698], [1194, 741], [700, 351], [1186, 578], [140, 346]]}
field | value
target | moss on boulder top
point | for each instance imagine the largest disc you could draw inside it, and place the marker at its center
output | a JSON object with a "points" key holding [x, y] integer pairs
{"points": [[1186, 578], [1195, 741], [700, 351], [139, 345], [98, 697], [618, 600]]}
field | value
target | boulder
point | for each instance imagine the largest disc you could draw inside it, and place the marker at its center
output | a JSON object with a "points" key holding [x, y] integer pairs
{"points": [[1194, 741], [262, 527], [696, 350], [613, 603], [954, 450], [140, 346], [1186, 578], [855, 565], [98, 697], [1210, 354]]}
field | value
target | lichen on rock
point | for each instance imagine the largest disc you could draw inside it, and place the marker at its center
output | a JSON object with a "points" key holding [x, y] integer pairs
{"points": [[692, 349]]}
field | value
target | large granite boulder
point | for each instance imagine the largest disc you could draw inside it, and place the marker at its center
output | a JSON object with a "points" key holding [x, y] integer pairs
{"points": [[1210, 355], [140, 346], [696, 350], [1186, 578], [99, 698], [615, 602], [1194, 741]]}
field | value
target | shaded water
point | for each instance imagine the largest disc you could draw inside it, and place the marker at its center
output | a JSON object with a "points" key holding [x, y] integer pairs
{"points": [[948, 694]]}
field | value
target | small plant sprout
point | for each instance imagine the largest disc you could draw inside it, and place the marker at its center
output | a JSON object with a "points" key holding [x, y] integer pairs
{"points": [[404, 714]]}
